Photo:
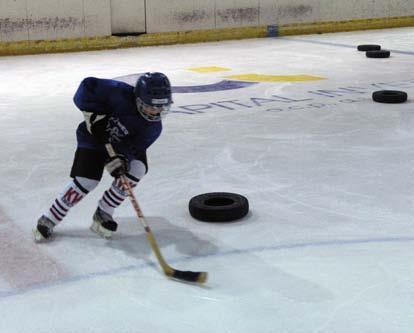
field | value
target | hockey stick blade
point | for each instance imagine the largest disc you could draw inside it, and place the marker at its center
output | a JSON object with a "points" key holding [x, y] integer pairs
{"points": [[197, 277], [189, 276]]}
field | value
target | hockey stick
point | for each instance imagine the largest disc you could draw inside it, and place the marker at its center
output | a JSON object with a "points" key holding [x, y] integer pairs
{"points": [[199, 277]]}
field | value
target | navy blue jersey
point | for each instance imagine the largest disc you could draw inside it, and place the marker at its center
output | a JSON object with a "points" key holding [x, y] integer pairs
{"points": [[117, 100]]}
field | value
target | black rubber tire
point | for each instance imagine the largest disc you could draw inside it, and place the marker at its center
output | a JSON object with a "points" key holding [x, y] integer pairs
{"points": [[389, 96], [369, 47], [218, 207], [378, 54]]}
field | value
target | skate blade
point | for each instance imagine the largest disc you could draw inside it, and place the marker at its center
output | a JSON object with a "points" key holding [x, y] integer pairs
{"points": [[97, 228], [38, 237]]}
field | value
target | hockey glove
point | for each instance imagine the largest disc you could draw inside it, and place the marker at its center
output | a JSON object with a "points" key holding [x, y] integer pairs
{"points": [[97, 125], [117, 165]]}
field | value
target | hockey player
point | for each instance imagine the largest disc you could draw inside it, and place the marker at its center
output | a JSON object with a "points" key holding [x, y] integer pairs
{"points": [[127, 117]]}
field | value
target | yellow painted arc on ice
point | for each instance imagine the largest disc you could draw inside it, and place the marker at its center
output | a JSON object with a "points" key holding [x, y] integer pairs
{"points": [[257, 77], [274, 78], [210, 69]]}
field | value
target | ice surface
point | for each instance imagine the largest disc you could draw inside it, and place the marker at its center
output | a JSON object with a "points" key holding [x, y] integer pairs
{"points": [[328, 243]]}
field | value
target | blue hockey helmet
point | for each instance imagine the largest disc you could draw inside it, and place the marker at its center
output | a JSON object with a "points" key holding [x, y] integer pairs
{"points": [[153, 95]]}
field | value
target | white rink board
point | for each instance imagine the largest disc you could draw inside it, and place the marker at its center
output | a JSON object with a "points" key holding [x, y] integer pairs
{"points": [[293, 11], [13, 14], [97, 18], [32, 19], [55, 19], [127, 16], [185, 15], [180, 15], [237, 13]]}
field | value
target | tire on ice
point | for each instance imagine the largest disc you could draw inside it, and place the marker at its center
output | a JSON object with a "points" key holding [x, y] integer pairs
{"points": [[369, 47], [389, 96], [218, 207], [378, 54]]}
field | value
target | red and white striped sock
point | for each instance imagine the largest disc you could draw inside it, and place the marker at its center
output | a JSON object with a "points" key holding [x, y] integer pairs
{"points": [[115, 195], [72, 194]]}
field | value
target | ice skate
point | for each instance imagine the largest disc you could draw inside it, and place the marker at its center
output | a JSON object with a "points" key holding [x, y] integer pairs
{"points": [[103, 224], [44, 229]]}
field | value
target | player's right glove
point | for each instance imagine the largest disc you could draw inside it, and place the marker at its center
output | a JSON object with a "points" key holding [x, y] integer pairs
{"points": [[104, 127], [117, 165], [99, 130], [97, 125]]}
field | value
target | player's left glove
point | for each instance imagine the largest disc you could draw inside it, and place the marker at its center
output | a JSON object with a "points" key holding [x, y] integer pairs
{"points": [[104, 127], [117, 165]]}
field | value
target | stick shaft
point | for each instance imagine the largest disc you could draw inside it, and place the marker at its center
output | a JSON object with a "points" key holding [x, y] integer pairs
{"points": [[199, 277], [151, 239]]}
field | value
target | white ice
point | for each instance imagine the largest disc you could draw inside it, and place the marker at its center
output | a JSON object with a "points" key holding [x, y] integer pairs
{"points": [[328, 245]]}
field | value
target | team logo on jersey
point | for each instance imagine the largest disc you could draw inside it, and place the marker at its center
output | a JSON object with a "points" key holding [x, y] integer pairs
{"points": [[116, 130]]}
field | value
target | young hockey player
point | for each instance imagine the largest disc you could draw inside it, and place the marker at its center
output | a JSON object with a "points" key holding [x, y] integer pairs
{"points": [[127, 117]]}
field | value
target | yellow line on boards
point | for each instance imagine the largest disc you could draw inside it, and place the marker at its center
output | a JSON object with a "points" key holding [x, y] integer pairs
{"points": [[196, 36]]}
